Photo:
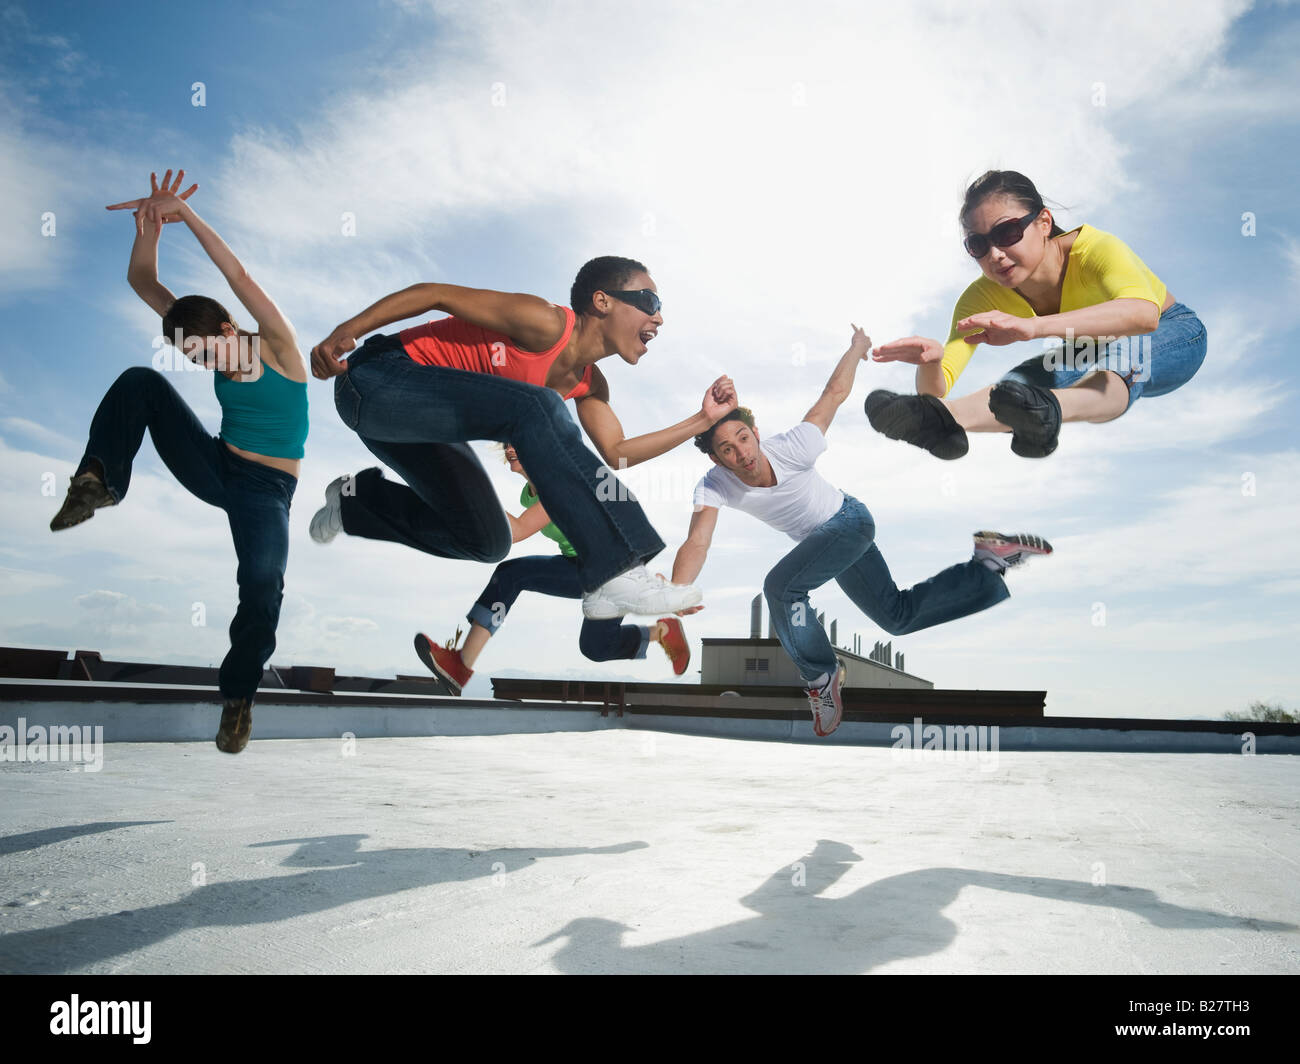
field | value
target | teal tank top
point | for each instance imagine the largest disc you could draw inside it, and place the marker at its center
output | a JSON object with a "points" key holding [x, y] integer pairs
{"points": [[266, 416]]}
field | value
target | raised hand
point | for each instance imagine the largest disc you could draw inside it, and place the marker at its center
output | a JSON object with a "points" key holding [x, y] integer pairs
{"points": [[720, 400], [861, 342], [326, 355], [163, 203], [998, 328], [914, 350]]}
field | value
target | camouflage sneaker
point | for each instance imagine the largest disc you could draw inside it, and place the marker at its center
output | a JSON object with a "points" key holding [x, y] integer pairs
{"points": [[236, 725], [86, 494]]}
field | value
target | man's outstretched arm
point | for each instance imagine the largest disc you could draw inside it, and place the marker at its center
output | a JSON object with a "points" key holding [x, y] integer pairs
{"points": [[840, 386], [691, 555]]}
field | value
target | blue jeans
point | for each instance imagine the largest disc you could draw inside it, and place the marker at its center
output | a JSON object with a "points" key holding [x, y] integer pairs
{"points": [[1150, 365], [844, 550], [256, 499], [554, 574], [417, 419]]}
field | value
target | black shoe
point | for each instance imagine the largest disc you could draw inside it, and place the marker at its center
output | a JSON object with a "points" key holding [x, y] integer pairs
{"points": [[922, 420], [1031, 413], [236, 725], [86, 494]]}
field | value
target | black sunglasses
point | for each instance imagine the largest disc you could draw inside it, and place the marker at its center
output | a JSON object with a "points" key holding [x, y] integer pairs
{"points": [[645, 300], [1002, 235]]}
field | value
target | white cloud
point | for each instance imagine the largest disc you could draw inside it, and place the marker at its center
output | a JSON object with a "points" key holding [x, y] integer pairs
{"points": [[19, 426], [21, 581]]}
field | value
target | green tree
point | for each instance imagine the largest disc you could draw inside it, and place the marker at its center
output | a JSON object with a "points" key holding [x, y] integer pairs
{"points": [[1266, 712]]}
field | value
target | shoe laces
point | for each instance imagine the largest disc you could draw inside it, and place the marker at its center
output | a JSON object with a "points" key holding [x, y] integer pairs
{"points": [[454, 642]]}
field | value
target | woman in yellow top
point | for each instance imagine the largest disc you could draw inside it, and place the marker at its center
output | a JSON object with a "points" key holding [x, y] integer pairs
{"points": [[1122, 333]]}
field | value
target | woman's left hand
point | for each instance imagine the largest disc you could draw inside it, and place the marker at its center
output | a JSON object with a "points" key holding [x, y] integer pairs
{"points": [[998, 328], [162, 205]]}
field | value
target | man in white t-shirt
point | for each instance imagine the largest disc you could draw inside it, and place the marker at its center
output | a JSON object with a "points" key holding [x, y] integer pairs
{"points": [[775, 481]]}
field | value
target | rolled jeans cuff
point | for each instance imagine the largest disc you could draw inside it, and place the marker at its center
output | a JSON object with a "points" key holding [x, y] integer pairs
{"points": [[486, 618]]}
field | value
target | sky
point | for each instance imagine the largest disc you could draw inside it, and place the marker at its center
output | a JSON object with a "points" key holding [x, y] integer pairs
{"points": [[783, 170]]}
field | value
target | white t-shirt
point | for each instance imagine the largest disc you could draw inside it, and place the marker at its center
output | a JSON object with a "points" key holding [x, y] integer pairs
{"points": [[800, 501]]}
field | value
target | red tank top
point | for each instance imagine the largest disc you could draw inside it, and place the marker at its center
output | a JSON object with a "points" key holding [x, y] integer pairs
{"points": [[457, 344]]}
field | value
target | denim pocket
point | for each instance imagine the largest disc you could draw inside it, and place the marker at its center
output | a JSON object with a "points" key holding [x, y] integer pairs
{"points": [[347, 400]]}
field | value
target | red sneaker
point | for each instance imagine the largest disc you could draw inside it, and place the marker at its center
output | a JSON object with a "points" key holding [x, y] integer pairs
{"points": [[675, 645], [444, 663]]}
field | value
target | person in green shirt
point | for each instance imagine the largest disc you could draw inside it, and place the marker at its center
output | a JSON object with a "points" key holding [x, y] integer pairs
{"points": [[554, 574], [1122, 334]]}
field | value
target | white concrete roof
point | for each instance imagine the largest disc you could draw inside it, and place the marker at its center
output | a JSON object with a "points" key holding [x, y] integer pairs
{"points": [[626, 851]]}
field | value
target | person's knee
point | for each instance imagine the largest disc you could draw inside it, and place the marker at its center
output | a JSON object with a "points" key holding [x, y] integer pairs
{"points": [[549, 406], [595, 646], [776, 588], [495, 544], [141, 378]]}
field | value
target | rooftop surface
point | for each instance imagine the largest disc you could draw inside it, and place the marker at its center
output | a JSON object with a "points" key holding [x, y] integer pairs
{"points": [[634, 851]]}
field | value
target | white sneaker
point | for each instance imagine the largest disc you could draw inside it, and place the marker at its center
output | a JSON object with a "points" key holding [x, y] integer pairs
{"points": [[826, 703], [327, 522], [636, 591]]}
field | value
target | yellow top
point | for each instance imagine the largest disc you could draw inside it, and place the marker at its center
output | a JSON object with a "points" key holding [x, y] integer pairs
{"points": [[1101, 267]]}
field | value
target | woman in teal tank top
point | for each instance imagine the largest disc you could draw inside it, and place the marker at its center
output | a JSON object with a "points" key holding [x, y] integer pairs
{"points": [[1122, 335], [249, 470]]}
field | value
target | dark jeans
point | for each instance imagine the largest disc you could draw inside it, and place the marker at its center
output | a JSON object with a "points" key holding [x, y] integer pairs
{"points": [[554, 574], [418, 420], [255, 497], [844, 550]]}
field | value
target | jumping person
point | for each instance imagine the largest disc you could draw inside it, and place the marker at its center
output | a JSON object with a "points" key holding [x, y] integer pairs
{"points": [[250, 469], [500, 368], [1083, 286], [550, 574], [775, 481]]}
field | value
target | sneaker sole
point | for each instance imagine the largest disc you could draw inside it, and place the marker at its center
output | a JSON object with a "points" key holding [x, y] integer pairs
{"points": [[56, 526], [1026, 543], [1028, 417], [604, 609], [319, 518], [686, 647], [897, 418], [445, 683]]}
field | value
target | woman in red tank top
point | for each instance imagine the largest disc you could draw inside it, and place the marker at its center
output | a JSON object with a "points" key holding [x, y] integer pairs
{"points": [[499, 368]]}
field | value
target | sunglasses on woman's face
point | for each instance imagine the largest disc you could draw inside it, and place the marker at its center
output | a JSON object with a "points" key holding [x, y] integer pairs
{"points": [[1003, 235], [644, 299]]}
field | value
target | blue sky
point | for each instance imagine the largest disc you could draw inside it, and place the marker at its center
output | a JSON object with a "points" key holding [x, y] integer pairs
{"points": [[782, 172]]}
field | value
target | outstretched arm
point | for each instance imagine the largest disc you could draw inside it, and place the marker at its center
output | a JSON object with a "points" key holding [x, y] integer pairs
{"points": [[606, 431], [692, 554], [528, 523], [142, 271], [530, 321], [165, 205], [840, 385]]}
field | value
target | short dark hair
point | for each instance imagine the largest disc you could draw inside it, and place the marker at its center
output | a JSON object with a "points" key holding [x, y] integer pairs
{"points": [[704, 441], [1010, 183], [601, 275], [194, 316]]}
